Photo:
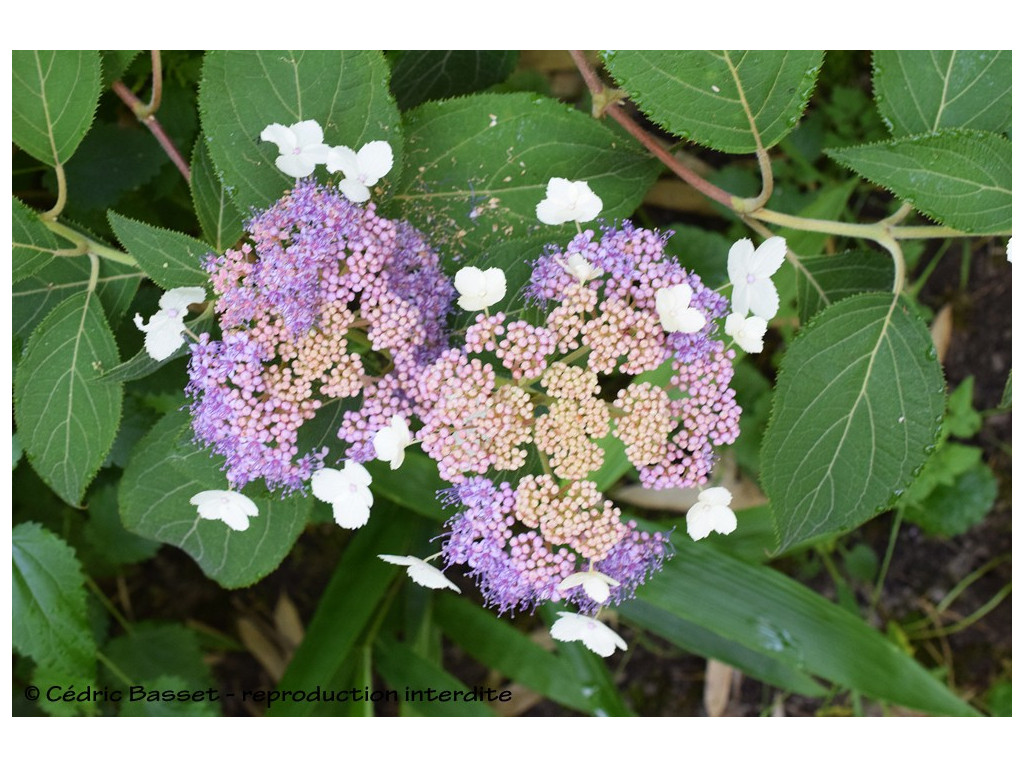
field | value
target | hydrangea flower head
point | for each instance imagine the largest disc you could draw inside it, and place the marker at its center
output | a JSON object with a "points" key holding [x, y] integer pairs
{"points": [[597, 636], [362, 169], [347, 490], [301, 145], [568, 201], [750, 271], [166, 327], [422, 572], [230, 506], [711, 513]]}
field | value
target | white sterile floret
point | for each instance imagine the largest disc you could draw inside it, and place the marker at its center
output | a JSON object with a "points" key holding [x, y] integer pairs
{"points": [[347, 490], [580, 268], [747, 331], [1009, 250], [230, 506], [596, 585], [301, 145], [568, 201], [390, 443], [165, 329], [674, 310], [362, 169], [422, 572], [479, 288], [598, 637], [750, 272], [711, 513]]}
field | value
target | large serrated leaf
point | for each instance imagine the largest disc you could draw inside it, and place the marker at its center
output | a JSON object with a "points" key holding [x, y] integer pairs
{"points": [[218, 215], [478, 166], [924, 91], [171, 259], [54, 98], [418, 76], [67, 414], [857, 408], [824, 280], [772, 615], [960, 178], [725, 100], [49, 616], [62, 278], [242, 92], [166, 471], [33, 244]]}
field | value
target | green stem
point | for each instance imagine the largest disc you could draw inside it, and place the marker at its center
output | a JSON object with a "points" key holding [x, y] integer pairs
{"points": [[965, 622], [154, 99], [62, 196], [894, 531], [118, 672], [106, 603], [94, 272], [90, 245]]}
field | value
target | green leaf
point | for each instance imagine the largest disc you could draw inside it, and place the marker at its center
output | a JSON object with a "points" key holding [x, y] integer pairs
{"points": [[858, 404], [830, 204], [218, 216], [171, 259], [762, 610], [54, 98], [49, 618], [346, 607], [694, 638], [242, 92], [960, 178], [494, 643], [151, 650], [924, 91], [406, 672], [106, 535], [414, 485], [957, 504], [33, 244], [1006, 402], [67, 414], [35, 296], [478, 166], [114, 65], [720, 99], [418, 76], [166, 470], [823, 280]]}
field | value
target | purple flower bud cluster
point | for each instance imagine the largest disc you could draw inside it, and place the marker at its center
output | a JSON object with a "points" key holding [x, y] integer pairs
{"points": [[327, 301]]}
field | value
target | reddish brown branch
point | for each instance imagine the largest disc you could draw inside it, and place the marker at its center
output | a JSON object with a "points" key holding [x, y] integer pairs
{"points": [[597, 90], [138, 108]]}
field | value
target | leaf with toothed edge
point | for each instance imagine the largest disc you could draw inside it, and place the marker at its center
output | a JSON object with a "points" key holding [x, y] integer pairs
{"points": [[67, 415], [960, 178], [857, 408], [720, 99], [217, 214], [33, 244], [171, 259], [166, 470]]}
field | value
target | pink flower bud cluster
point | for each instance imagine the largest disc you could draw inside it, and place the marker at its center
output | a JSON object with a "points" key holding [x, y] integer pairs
{"points": [[328, 302]]}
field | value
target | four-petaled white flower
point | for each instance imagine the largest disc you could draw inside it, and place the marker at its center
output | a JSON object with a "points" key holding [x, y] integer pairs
{"points": [[596, 585], [479, 288], [165, 329], [711, 513], [347, 490], [674, 310], [568, 201], [390, 442], [747, 331], [598, 637], [362, 169], [301, 145], [750, 272], [580, 268], [422, 572], [230, 506], [1009, 250]]}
